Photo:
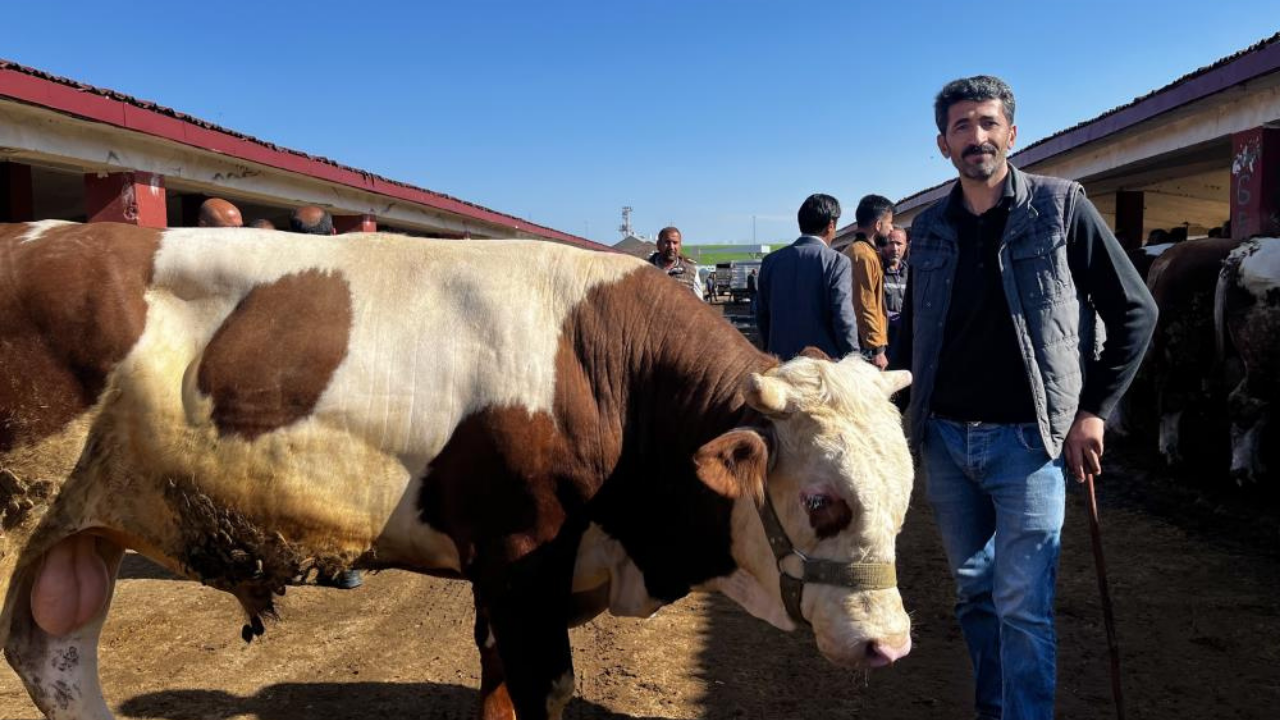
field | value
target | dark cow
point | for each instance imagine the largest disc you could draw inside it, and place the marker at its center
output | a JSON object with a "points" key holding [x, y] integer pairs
{"points": [[1181, 366], [1247, 313], [248, 408], [1134, 415]]}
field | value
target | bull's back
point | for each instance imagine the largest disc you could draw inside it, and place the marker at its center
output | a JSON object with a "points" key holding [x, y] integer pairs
{"points": [[393, 339]]}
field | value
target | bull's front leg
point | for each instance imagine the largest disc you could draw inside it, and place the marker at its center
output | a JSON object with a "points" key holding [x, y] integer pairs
{"points": [[536, 659], [495, 701], [525, 606], [57, 618]]}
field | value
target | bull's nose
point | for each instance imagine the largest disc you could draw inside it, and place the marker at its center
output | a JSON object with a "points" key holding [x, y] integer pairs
{"points": [[887, 651]]}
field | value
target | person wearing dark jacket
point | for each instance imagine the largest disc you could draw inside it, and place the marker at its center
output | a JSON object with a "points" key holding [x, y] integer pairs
{"points": [[804, 290], [1014, 278], [892, 249]]}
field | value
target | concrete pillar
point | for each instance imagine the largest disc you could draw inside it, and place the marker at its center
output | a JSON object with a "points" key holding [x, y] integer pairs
{"points": [[355, 223], [133, 197], [1129, 206], [1255, 182], [17, 201]]}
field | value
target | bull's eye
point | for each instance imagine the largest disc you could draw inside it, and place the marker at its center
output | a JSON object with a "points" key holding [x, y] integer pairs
{"points": [[814, 503], [828, 514]]}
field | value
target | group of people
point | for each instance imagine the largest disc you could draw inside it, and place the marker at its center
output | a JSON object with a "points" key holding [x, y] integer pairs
{"points": [[997, 319], [308, 219]]}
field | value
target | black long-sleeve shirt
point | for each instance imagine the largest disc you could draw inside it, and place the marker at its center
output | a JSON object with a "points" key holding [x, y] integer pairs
{"points": [[981, 375]]}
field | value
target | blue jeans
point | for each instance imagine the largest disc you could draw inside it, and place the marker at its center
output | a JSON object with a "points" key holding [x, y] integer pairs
{"points": [[999, 503]]}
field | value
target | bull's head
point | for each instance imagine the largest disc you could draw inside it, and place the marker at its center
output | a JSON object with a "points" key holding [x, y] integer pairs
{"points": [[832, 466]]}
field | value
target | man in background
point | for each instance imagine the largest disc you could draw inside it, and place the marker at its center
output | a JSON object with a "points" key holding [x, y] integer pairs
{"points": [[311, 220], [874, 217], [803, 290], [216, 212], [892, 250], [669, 260]]}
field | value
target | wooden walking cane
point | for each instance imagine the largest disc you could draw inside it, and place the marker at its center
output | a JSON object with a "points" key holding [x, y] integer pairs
{"points": [[1108, 617]]}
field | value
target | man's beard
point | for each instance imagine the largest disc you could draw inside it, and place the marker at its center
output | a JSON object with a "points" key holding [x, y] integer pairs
{"points": [[992, 158]]}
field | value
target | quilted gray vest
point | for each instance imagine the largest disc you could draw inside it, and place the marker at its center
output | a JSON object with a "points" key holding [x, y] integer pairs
{"points": [[1056, 326]]}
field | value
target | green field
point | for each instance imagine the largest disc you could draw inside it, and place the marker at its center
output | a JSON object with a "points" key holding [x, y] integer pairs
{"points": [[712, 254]]}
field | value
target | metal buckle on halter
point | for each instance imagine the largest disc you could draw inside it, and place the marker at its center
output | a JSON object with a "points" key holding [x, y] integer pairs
{"points": [[804, 559]]}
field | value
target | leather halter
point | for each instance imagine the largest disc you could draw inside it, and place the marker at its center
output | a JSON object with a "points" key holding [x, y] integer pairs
{"points": [[859, 577]]}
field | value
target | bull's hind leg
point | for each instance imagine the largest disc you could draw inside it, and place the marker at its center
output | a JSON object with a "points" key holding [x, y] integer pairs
{"points": [[61, 671]]}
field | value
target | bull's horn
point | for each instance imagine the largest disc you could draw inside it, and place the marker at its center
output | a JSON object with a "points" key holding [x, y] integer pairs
{"points": [[767, 395], [895, 380]]}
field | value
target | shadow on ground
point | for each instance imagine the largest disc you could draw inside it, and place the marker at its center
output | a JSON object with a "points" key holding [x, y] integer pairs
{"points": [[333, 701]]}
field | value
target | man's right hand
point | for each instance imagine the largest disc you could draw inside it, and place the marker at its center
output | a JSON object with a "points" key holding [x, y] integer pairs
{"points": [[880, 360]]}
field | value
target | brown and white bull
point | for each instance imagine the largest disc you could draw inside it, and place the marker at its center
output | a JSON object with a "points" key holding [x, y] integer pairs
{"points": [[247, 407], [1247, 312]]}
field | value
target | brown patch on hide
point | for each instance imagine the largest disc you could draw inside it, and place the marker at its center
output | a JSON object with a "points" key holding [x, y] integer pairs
{"points": [[274, 355], [72, 305], [502, 486]]}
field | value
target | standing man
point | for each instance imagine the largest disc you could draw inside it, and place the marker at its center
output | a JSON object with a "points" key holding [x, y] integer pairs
{"points": [[803, 290], [875, 219], [1009, 275], [892, 250], [216, 212], [669, 260]]}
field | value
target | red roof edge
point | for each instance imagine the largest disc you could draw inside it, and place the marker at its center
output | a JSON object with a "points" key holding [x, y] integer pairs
{"points": [[1261, 58], [37, 87]]}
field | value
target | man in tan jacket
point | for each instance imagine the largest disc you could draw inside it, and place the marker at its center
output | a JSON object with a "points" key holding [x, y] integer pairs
{"points": [[874, 217]]}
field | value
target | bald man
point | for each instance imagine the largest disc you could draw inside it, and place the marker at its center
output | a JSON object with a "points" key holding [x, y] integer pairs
{"points": [[311, 220], [216, 212]]}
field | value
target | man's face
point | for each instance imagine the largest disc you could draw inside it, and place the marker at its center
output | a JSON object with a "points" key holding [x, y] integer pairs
{"points": [[669, 246], [978, 138], [894, 246], [884, 226]]}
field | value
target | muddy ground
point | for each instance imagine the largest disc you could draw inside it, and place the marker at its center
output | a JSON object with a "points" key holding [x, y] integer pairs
{"points": [[1196, 581]]}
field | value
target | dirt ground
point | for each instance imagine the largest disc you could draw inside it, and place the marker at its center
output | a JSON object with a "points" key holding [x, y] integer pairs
{"points": [[1196, 583]]}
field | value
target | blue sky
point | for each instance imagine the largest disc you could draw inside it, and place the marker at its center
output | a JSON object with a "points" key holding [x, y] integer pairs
{"points": [[699, 113]]}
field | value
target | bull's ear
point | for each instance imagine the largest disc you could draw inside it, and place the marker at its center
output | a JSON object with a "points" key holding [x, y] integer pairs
{"points": [[895, 380], [734, 465], [768, 395]]}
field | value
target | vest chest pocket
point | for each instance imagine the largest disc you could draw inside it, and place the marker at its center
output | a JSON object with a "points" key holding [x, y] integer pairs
{"points": [[1040, 268]]}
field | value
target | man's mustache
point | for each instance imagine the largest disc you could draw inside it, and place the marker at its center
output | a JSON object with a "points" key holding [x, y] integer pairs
{"points": [[983, 149]]}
